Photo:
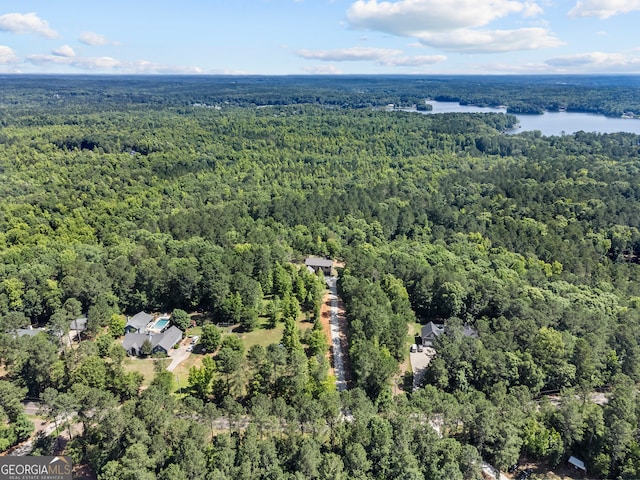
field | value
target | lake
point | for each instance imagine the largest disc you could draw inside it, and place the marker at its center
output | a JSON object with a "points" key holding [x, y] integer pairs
{"points": [[549, 123]]}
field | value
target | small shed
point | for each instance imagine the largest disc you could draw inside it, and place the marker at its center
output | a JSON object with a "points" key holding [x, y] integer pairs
{"points": [[324, 264], [79, 324], [577, 464]]}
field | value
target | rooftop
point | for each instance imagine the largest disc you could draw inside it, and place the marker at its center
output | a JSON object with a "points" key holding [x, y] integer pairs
{"points": [[318, 262], [79, 324], [166, 340], [28, 332], [139, 320]]}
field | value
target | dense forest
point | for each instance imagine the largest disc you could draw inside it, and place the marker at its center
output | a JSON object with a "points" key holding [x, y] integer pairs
{"points": [[198, 194]]}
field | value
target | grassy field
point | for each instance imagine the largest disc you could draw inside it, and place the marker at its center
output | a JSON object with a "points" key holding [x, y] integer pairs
{"points": [[266, 336], [145, 366], [181, 373]]}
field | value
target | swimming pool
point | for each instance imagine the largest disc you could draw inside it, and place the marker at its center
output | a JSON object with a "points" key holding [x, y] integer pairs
{"points": [[160, 323]]}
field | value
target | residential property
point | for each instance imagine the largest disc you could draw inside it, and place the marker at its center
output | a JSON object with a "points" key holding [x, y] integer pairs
{"points": [[167, 340], [316, 264], [133, 341], [162, 342], [28, 332], [78, 325], [431, 331], [138, 323]]}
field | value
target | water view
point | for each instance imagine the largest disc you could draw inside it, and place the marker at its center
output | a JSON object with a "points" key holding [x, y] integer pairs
{"points": [[549, 123]]}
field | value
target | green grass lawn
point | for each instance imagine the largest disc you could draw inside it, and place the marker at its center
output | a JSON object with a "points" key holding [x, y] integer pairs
{"points": [[415, 328], [181, 373], [145, 367], [266, 336], [194, 331], [260, 336]]}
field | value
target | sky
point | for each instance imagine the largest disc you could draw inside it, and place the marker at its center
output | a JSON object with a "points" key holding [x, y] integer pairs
{"points": [[293, 37]]}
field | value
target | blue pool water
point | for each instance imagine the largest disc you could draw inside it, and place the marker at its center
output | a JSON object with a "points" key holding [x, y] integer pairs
{"points": [[160, 323]]}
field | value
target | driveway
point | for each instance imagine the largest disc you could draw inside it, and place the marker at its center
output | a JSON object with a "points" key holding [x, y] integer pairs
{"points": [[419, 363], [337, 343], [490, 472], [178, 356]]}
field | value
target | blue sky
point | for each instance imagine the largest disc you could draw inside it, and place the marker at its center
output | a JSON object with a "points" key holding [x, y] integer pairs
{"points": [[278, 37]]}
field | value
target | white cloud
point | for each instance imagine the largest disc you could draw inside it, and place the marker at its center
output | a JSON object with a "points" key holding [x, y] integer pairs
{"points": [[229, 71], [507, 68], [322, 70], [109, 64], [7, 56], [454, 25], [603, 8], [348, 54], [23, 23], [490, 41], [532, 9], [596, 62], [144, 66], [411, 17], [64, 51], [383, 56], [415, 61], [95, 39]]}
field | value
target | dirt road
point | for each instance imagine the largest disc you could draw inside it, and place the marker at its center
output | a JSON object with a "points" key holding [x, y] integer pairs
{"points": [[338, 337]]}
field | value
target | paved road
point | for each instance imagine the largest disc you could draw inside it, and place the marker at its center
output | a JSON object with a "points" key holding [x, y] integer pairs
{"points": [[32, 408], [336, 343]]}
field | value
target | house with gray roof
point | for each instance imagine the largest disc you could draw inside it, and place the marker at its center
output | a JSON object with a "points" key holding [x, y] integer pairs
{"points": [[28, 332], [316, 264], [161, 342], [431, 331], [138, 323], [133, 341], [167, 340]]}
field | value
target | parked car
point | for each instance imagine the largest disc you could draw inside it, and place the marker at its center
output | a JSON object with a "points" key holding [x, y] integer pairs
{"points": [[414, 348], [190, 348], [524, 474], [194, 340], [420, 348]]}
